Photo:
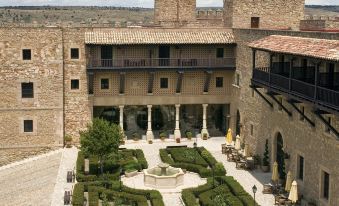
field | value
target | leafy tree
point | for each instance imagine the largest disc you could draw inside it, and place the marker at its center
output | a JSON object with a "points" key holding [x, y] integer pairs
{"points": [[101, 139]]}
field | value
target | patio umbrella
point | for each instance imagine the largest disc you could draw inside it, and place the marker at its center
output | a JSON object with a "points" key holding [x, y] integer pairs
{"points": [[294, 192], [288, 182], [275, 174], [237, 143], [246, 151], [229, 138]]}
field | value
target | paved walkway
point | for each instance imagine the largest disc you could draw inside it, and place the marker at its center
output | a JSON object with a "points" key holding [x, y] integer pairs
{"points": [[29, 182], [67, 163], [245, 178]]}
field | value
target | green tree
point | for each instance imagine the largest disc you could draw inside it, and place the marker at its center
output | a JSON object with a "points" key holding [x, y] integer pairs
{"points": [[101, 139]]}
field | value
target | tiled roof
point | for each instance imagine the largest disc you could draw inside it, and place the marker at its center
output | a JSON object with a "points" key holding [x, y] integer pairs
{"points": [[158, 37], [309, 47]]}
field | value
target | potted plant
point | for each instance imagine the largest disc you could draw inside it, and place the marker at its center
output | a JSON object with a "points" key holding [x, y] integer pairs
{"points": [[266, 159], [163, 136], [150, 142], [136, 136], [68, 140], [177, 140], [189, 135], [205, 136]]}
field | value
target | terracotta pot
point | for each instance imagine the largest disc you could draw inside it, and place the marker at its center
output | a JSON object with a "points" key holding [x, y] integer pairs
{"points": [[177, 140]]}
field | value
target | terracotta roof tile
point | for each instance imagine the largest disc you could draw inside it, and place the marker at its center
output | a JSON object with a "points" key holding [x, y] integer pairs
{"points": [[158, 37], [309, 47]]}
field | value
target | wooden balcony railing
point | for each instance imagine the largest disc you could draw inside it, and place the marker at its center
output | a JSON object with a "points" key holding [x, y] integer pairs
{"points": [[161, 63], [298, 88]]}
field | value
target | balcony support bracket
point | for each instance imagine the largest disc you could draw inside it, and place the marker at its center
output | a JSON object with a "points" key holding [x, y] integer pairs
{"points": [[281, 105], [261, 95], [292, 103], [318, 113]]}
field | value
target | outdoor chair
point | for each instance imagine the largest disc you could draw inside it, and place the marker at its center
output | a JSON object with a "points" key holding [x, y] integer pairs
{"points": [[70, 176]]}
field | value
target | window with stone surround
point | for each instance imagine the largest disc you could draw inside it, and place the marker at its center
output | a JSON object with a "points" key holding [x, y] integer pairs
{"points": [[325, 185], [104, 83], [252, 129], [300, 166], [255, 22], [74, 53], [26, 54], [28, 125], [237, 80], [27, 90], [74, 84], [219, 82], [163, 83]]}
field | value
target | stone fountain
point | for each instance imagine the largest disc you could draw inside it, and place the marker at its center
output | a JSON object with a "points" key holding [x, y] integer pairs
{"points": [[163, 177]]}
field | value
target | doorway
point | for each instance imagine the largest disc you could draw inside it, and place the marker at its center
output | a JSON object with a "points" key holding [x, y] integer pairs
{"points": [[280, 156], [164, 55], [237, 127], [106, 56]]}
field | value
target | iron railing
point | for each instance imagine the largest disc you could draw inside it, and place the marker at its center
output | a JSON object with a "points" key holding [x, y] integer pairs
{"points": [[160, 62]]}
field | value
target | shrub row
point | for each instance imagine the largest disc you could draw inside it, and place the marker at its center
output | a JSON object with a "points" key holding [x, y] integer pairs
{"points": [[219, 169], [141, 158], [187, 155], [78, 195], [165, 158], [202, 171]]}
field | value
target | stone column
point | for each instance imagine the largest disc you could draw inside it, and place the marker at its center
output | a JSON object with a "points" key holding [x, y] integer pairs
{"points": [[149, 133], [121, 119], [204, 122], [177, 134]]}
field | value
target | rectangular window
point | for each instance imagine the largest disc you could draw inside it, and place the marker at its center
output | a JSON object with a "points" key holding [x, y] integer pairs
{"points": [[28, 125], [302, 109], [219, 82], [326, 185], [74, 53], [74, 84], [163, 83], [104, 83], [27, 90], [301, 167], [237, 79], [26, 54], [252, 128], [220, 52], [255, 22]]}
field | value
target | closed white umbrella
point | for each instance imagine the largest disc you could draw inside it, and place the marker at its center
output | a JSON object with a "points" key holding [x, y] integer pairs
{"points": [[294, 192], [288, 182], [237, 143]]}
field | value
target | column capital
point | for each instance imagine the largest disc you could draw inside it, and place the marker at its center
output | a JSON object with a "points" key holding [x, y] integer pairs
{"points": [[177, 105], [149, 106], [204, 105], [121, 106]]}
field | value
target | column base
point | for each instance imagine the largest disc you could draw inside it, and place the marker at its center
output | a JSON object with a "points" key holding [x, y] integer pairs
{"points": [[177, 134], [204, 131], [149, 135]]}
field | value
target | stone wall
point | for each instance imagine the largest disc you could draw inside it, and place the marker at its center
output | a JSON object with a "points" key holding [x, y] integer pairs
{"points": [[319, 148], [174, 11], [279, 14], [77, 104], [45, 71]]}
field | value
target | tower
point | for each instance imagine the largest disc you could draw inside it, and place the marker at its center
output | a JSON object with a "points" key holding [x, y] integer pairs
{"points": [[166, 11]]}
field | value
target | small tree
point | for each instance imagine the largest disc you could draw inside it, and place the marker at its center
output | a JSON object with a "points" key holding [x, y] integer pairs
{"points": [[101, 139], [266, 158]]}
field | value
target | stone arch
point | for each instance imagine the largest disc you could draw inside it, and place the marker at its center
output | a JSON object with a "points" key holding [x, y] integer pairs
{"points": [[278, 154]]}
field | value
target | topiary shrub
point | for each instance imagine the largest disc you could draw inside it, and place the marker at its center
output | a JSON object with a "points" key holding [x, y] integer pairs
{"points": [[219, 169]]}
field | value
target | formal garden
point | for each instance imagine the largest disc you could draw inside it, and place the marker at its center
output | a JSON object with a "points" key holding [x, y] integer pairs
{"points": [[100, 165], [219, 189]]}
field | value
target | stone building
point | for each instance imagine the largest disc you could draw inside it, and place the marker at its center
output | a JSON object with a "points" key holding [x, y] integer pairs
{"points": [[268, 83]]}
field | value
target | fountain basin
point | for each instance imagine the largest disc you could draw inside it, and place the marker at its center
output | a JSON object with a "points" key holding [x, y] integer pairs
{"points": [[163, 177]]}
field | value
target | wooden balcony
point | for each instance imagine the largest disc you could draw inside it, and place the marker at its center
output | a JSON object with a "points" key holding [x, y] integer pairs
{"points": [[161, 63], [299, 88]]}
